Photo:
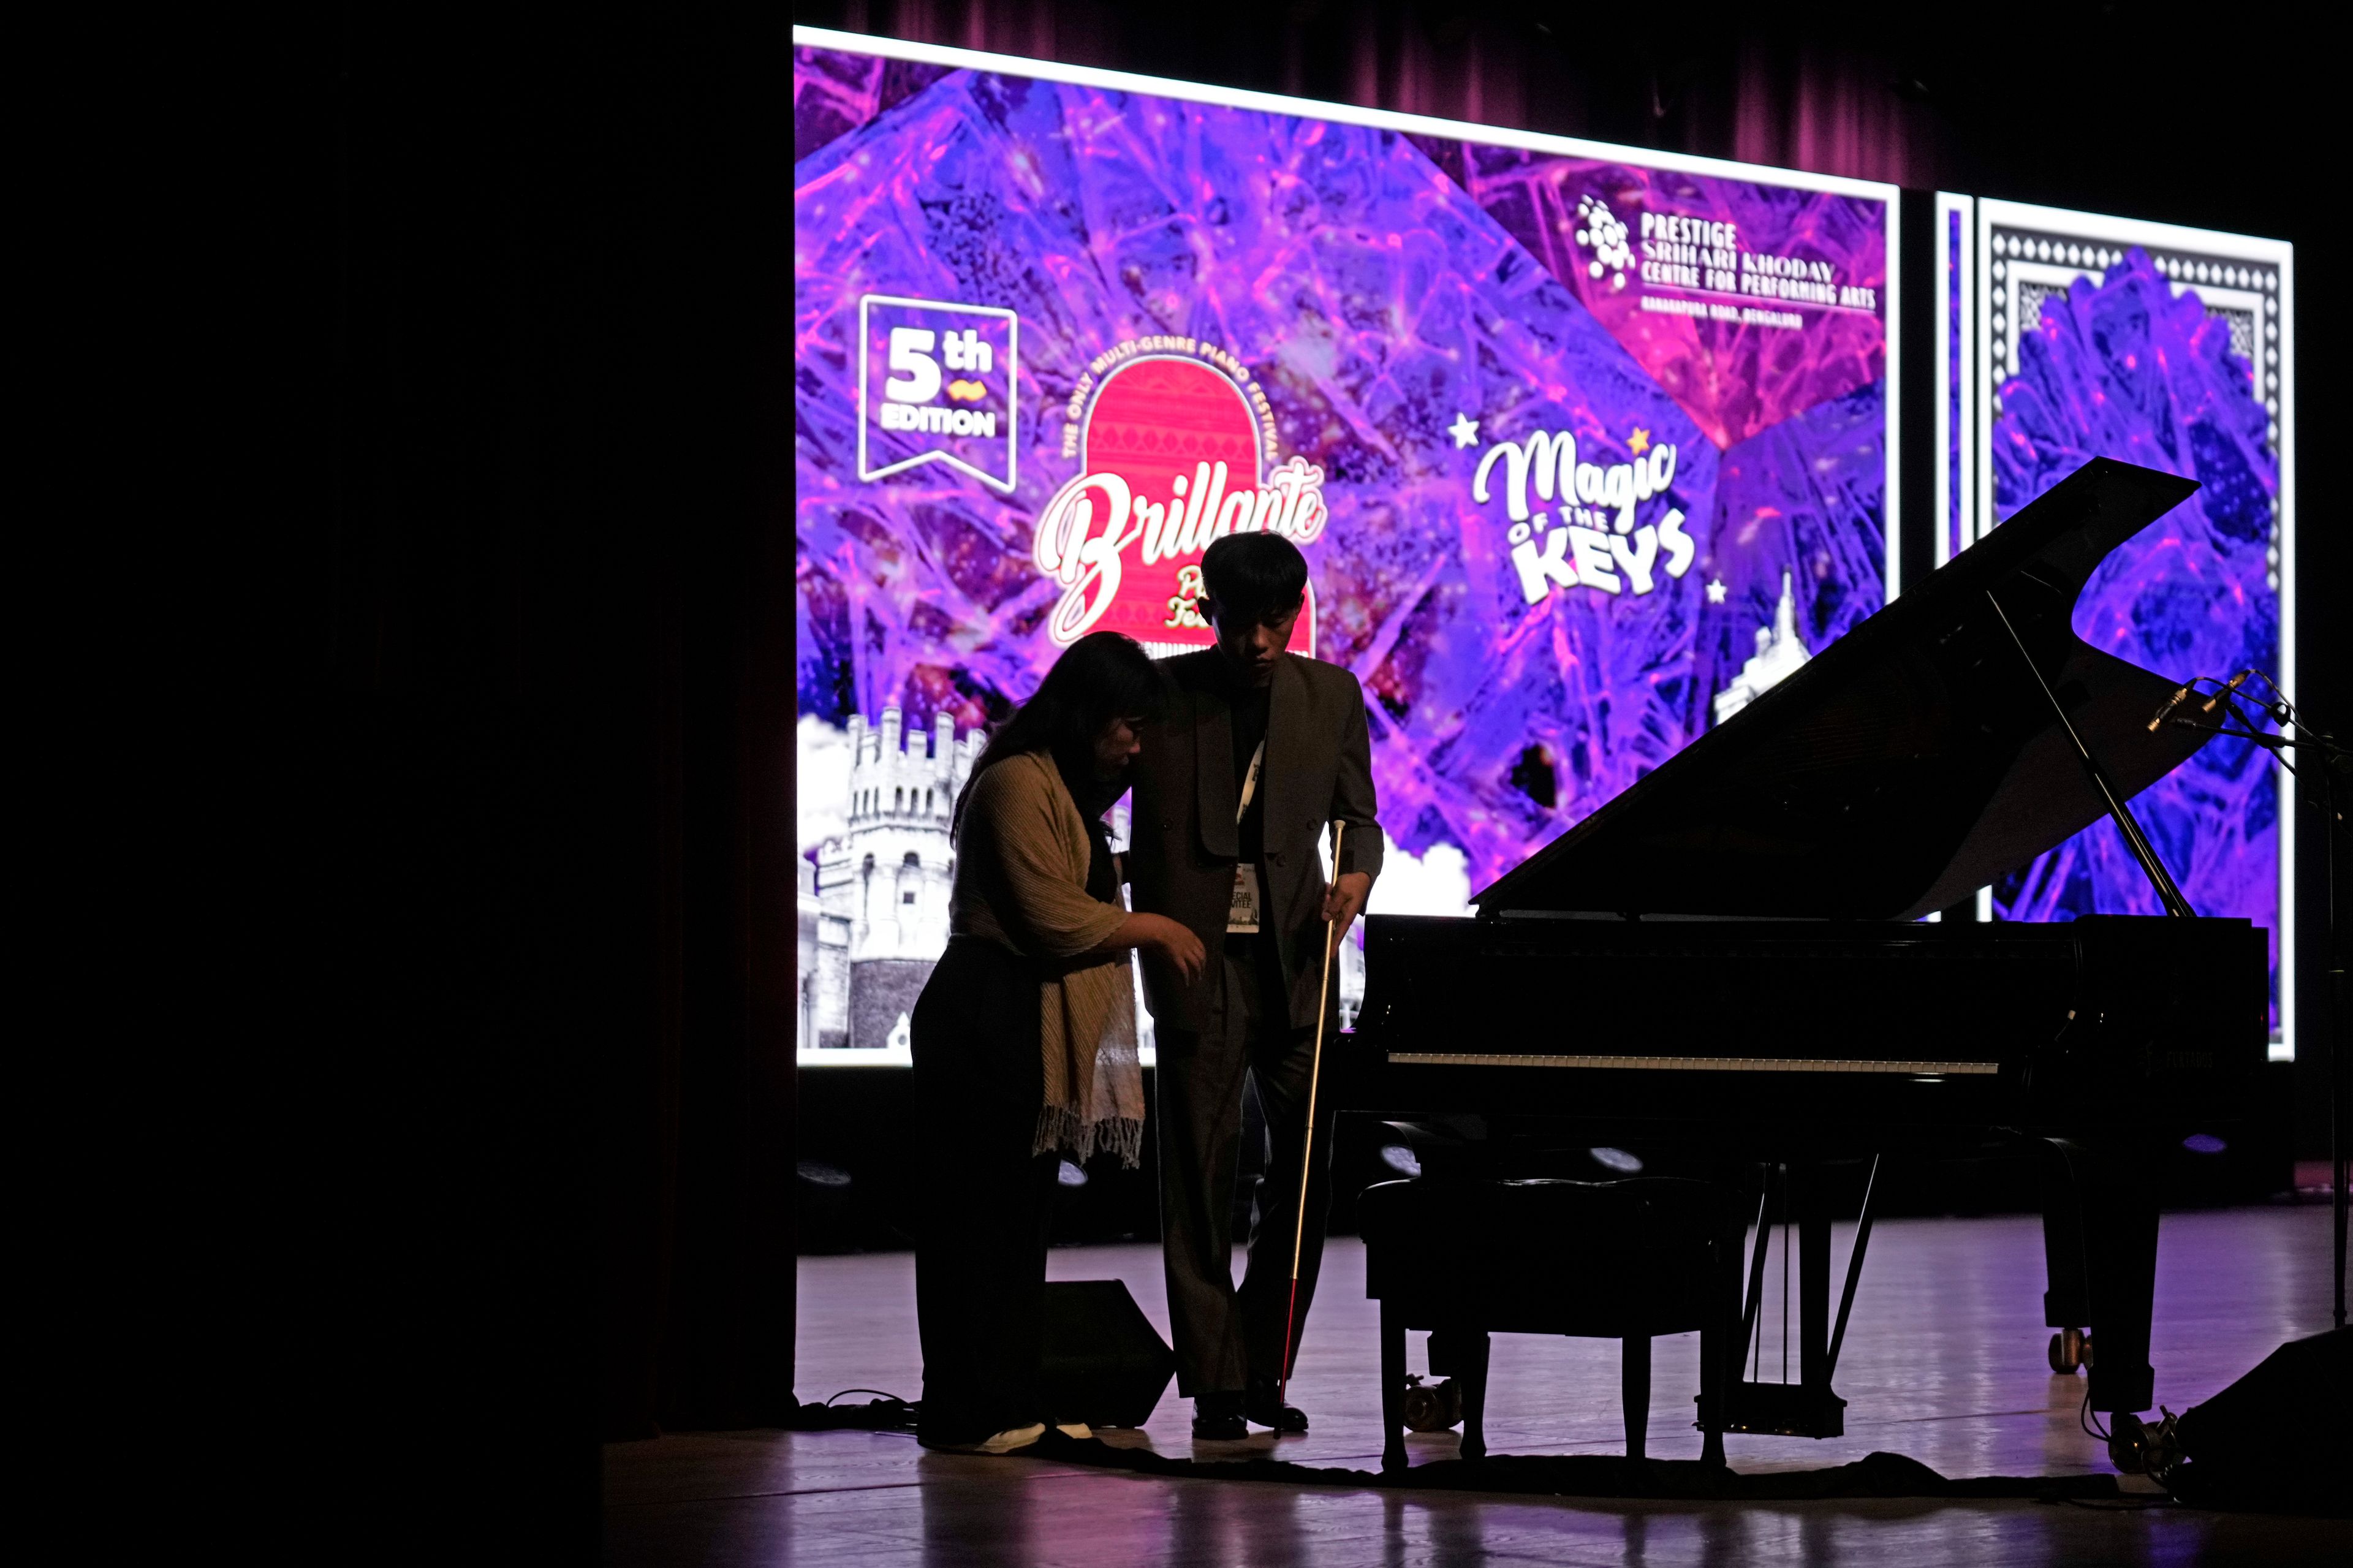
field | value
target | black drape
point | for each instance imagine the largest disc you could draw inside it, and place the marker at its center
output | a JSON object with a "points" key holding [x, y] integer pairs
{"points": [[520, 1101]]}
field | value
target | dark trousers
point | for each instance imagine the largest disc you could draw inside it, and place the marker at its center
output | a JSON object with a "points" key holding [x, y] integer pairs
{"points": [[985, 1200], [1227, 1338]]}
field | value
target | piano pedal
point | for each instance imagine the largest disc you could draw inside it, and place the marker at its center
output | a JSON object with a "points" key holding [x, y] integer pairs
{"points": [[2070, 1349], [2137, 1449], [1432, 1407]]}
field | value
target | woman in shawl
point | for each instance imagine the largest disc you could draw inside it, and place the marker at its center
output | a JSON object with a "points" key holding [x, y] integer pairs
{"points": [[1024, 1039]]}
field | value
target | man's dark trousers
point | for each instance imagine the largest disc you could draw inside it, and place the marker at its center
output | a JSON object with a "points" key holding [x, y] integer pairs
{"points": [[1227, 1338]]}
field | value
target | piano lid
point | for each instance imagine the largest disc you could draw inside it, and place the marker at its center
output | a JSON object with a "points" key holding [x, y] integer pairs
{"points": [[1909, 763]]}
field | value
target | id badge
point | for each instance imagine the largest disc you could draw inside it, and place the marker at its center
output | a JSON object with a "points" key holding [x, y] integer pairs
{"points": [[1241, 918]]}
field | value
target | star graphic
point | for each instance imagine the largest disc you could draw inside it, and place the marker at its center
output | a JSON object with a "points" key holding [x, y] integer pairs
{"points": [[1640, 443], [1464, 430], [1715, 592]]}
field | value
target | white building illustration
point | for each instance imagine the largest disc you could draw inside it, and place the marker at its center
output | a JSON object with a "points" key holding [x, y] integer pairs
{"points": [[875, 908], [1779, 655], [874, 904]]}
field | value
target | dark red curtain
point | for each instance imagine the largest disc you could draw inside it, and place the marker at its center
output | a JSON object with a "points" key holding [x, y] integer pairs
{"points": [[2081, 103], [1837, 99]]}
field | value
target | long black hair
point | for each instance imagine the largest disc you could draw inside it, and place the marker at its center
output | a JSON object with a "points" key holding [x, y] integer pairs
{"points": [[1101, 677]]}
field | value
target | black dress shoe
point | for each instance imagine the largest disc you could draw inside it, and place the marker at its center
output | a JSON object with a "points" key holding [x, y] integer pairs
{"points": [[1217, 1418], [1263, 1410]]}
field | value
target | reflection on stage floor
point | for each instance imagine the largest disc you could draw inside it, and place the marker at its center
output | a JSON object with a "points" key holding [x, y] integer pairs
{"points": [[1944, 1362]]}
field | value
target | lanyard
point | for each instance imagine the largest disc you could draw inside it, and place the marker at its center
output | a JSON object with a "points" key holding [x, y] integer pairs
{"points": [[1241, 918]]}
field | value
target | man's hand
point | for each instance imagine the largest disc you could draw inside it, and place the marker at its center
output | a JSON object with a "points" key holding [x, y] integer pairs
{"points": [[1344, 900]]}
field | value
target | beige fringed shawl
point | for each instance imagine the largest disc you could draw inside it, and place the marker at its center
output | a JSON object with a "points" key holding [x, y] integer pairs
{"points": [[1021, 882]]}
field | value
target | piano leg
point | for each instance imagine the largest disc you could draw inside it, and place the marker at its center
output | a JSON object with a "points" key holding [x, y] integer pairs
{"points": [[2064, 1304], [1392, 1386], [1467, 1353], [1634, 1391], [1806, 1408], [1813, 1278], [1720, 1342], [2108, 1198]]}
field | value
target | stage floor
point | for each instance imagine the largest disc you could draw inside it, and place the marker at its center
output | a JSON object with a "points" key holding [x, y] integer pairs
{"points": [[1944, 1362]]}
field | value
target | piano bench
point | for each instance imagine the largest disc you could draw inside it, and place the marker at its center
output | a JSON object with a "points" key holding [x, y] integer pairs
{"points": [[1624, 1260]]}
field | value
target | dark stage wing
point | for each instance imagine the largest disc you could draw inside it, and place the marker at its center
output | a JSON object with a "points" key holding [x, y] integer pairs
{"points": [[1911, 763]]}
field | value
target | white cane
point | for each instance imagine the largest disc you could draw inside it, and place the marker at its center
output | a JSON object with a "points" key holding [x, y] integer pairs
{"points": [[1307, 1154]]}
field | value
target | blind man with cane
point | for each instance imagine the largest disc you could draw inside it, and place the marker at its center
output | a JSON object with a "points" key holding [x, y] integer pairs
{"points": [[1258, 751]]}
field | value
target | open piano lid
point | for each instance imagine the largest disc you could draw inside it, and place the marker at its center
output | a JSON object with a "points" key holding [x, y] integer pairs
{"points": [[1909, 763]]}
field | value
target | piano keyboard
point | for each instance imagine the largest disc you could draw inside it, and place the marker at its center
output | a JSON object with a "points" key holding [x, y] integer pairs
{"points": [[1692, 1064]]}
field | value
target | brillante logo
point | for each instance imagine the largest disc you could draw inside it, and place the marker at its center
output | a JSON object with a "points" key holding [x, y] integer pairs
{"points": [[1175, 451]]}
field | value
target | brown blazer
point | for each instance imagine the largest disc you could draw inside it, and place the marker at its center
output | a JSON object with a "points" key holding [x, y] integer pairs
{"points": [[1318, 767]]}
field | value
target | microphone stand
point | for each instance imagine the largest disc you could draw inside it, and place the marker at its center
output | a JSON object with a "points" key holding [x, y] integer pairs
{"points": [[2335, 759]]}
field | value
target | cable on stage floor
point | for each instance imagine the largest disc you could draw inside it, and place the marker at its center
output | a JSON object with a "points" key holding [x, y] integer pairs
{"points": [[1600, 1475], [884, 1413]]}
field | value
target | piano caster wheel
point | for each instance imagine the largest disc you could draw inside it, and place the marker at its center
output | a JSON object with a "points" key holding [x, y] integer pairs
{"points": [[2070, 1349], [1432, 1407]]}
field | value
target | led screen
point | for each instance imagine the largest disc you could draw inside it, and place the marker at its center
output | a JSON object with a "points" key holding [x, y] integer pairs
{"points": [[1585, 448], [2171, 348]]}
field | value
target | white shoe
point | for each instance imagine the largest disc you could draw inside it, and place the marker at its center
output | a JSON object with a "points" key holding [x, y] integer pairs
{"points": [[1013, 1437], [1078, 1429]]}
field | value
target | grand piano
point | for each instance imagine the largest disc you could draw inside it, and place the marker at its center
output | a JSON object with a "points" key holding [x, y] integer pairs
{"points": [[1730, 958]]}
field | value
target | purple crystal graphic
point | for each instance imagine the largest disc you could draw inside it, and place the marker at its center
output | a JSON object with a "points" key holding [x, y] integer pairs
{"points": [[1399, 330], [1799, 504], [2127, 369], [1735, 379], [835, 93]]}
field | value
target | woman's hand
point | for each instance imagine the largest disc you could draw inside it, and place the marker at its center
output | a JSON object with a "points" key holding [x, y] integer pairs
{"points": [[1178, 945], [1158, 933]]}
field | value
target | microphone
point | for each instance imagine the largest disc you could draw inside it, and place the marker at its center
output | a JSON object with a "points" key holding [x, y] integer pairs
{"points": [[2181, 694], [2221, 698]]}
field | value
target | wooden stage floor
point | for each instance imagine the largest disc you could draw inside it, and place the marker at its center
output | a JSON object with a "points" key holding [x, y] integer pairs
{"points": [[1944, 1362]]}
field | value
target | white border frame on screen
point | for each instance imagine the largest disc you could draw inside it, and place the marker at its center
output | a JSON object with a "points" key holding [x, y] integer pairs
{"points": [[1948, 205], [1452, 130], [1963, 279], [2278, 253]]}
